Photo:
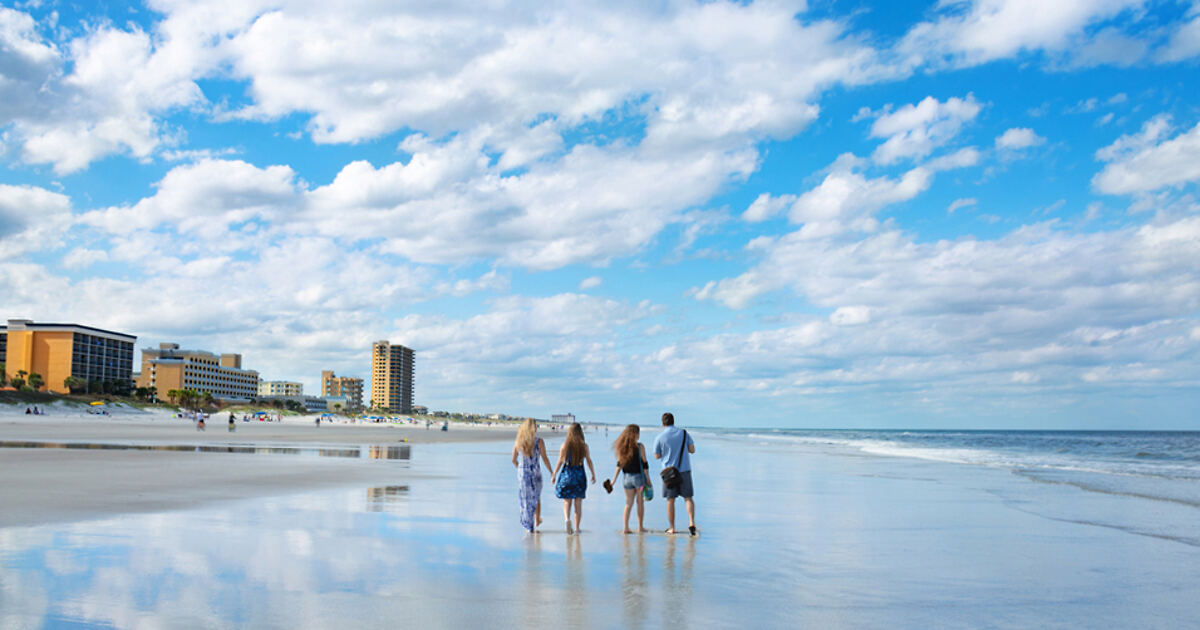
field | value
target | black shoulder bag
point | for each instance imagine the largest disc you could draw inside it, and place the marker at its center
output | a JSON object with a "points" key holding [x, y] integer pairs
{"points": [[670, 475]]}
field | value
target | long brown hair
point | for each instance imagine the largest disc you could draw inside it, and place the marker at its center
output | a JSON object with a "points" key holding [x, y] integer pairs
{"points": [[527, 437], [626, 445], [575, 446]]}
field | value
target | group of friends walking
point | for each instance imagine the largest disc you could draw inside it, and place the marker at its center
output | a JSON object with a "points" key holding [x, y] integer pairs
{"points": [[673, 447]]}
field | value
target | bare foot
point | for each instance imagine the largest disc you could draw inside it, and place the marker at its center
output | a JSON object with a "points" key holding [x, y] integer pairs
{"points": [[628, 531], [642, 530], [670, 531]]}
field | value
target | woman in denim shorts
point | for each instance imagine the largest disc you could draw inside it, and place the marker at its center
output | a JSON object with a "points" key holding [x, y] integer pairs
{"points": [[631, 460]]}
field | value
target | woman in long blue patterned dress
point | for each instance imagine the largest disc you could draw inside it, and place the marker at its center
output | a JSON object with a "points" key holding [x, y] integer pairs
{"points": [[571, 485], [526, 452]]}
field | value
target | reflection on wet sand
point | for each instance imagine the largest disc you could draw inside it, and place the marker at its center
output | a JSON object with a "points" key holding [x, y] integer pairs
{"points": [[634, 590], [575, 590], [389, 452], [535, 599], [385, 498], [677, 581]]}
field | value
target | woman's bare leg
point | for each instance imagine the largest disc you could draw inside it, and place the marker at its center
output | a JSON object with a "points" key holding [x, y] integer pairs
{"points": [[578, 513], [641, 502], [629, 492]]}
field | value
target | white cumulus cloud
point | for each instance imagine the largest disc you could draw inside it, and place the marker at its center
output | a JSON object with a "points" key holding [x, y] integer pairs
{"points": [[914, 131], [1018, 138], [1139, 163], [978, 31], [31, 219]]}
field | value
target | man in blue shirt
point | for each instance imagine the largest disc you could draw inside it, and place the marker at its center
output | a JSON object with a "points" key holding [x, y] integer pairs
{"points": [[674, 447]]}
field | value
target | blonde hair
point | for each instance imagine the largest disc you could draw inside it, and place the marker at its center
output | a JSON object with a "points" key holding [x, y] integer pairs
{"points": [[626, 444], [575, 445], [527, 437]]}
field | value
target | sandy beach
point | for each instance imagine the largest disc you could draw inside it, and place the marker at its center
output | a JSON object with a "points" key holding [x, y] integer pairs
{"points": [[44, 485]]}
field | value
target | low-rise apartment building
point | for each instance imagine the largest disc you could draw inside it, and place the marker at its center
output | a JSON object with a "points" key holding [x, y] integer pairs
{"points": [[280, 388], [170, 367], [350, 388]]}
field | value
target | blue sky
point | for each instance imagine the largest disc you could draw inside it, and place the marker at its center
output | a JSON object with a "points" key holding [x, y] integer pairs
{"points": [[835, 214]]}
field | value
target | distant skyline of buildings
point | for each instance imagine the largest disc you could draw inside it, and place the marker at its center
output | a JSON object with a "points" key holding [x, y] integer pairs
{"points": [[57, 351]]}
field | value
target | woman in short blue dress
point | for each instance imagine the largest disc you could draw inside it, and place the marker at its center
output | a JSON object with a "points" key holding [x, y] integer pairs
{"points": [[571, 484], [526, 452]]}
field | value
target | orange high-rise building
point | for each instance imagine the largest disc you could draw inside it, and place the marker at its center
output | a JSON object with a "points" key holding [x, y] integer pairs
{"points": [[392, 376]]}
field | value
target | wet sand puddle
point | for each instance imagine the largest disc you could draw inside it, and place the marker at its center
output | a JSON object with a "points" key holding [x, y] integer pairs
{"points": [[356, 452]]}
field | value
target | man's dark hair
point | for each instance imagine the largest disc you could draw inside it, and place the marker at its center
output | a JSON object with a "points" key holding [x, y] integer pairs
{"points": [[668, 419]]}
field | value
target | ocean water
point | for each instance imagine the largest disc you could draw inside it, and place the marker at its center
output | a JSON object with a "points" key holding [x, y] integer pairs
{"points": [[798, 529], [1157, 466]]}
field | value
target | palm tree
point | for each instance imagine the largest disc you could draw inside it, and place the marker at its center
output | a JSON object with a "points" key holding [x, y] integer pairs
{"points": [[74, 384], [190, 398]]}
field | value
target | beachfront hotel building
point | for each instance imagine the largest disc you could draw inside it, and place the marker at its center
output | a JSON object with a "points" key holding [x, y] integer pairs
{"points": [[169, 368], [58, 351], [392, 376], [347, 387], [280, 388]]}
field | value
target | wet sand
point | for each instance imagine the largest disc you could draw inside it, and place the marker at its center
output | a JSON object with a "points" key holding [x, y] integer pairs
{"points": [[55, 485], [294, 432], [44, 485], [792, 535]]}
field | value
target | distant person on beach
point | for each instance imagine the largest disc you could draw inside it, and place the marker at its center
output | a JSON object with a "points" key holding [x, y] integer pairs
{"points": [[527, 450], [571, 485], [200, 424], [674, 446], [631, 460]]}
